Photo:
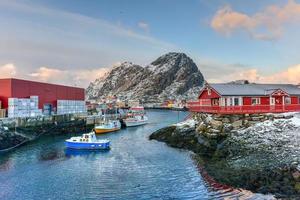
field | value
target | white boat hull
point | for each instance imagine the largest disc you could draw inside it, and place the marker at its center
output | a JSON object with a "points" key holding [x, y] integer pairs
{"points": [[135, 123]]}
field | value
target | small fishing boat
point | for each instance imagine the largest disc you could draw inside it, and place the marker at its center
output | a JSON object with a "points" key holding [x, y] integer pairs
{"points": [[107, 126], [136, 116], [87, 141]]}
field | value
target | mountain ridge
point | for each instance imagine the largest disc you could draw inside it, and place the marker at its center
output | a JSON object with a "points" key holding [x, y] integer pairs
{"points": [[171, 76]]}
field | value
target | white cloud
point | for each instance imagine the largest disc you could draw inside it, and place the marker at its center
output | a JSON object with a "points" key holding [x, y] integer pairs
{"points": [[144, 26], [289, 75], [8, 70], [78, 77], [267, 24]]}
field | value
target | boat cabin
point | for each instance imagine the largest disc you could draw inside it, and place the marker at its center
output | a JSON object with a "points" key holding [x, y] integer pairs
{"points": [[88, 137], [233, 98]]}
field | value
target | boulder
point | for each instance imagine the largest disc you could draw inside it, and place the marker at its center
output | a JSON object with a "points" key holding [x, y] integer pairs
{"points": [[212, 135], [201, 128], [296, 175], [226, 120], [214, 131], [218, 125], [237, 124], [257, 118], [297, 187], [234, 118], [227, 128]]}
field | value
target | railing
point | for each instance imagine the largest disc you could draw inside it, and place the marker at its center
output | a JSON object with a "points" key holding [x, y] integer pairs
{"points": [[249, 109]]}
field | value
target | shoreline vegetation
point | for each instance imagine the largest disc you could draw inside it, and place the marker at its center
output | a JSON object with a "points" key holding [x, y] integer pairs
{"points": [[255, 152]]}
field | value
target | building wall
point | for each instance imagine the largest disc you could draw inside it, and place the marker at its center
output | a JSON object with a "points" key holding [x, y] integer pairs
{"points": [[265, 100], [48, 93], [294, 100], [205, 95], [5, 91], [246, 101]]}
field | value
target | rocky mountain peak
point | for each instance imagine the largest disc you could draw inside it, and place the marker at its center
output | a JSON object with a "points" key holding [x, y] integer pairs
{"points": [[173, 61], [171, 76]]}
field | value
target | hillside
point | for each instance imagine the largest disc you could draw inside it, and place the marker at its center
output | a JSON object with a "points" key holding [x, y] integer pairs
{"points": [[171, 76]]}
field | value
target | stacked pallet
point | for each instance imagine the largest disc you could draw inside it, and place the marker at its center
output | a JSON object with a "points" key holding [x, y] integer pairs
{"points": [[23, 107], [70, 107], [2, 111]]}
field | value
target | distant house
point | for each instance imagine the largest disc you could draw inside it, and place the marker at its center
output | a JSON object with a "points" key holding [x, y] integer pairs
{"points": [[247, 98]]}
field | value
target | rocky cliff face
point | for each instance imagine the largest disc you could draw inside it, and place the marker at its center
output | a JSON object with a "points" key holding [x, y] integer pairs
{"points": [[171, 76]]}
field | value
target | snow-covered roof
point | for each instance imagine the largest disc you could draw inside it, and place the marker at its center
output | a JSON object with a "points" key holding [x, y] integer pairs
{"points": [[233, 89]]}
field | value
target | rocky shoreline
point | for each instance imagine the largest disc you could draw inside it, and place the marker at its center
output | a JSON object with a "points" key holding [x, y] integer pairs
{"points": [[254, 152]]}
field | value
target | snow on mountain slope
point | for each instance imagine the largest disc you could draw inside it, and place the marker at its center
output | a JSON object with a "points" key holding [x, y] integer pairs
{"points": [[171, 76]]}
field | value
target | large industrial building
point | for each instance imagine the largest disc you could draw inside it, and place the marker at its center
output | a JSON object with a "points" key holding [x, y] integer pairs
{"points": [[50, 96]]}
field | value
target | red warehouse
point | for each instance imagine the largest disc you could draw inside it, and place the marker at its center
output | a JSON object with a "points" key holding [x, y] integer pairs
{"points": [[47, 93], [232, 98]]}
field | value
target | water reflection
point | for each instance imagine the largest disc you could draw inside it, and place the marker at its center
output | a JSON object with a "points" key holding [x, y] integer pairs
{"points": [[81, 152], [5, 164], [50, 154]]}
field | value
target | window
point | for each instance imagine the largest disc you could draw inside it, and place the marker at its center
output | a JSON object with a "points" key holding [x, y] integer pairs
{"points": [[230, 102], [255, 101], [215, 102], [287, 100], [236, 101], [272, 101], [209, 91]]}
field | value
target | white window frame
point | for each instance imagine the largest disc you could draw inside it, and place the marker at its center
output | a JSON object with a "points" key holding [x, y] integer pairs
{"points": [[256, 99], [287, 102], [238, 101], [272, 101]]}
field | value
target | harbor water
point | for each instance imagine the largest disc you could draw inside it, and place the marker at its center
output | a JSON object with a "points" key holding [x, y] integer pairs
{"points": [[134, 168]]}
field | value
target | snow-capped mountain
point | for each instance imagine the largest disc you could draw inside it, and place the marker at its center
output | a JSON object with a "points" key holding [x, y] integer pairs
{"points": [[171, 76]]}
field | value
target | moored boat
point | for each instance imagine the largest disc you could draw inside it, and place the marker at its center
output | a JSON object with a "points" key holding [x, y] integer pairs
{"points": [[107, 126], [87, 141], [136, 117]]}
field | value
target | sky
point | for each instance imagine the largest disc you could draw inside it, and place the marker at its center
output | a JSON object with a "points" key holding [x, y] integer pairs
{"points": [[74, 42]]}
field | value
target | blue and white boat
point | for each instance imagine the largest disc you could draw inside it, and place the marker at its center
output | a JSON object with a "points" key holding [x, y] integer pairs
{"points": [[87, 141]]}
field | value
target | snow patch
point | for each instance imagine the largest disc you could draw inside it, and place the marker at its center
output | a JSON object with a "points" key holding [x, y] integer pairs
{"points": [[187, 123]]}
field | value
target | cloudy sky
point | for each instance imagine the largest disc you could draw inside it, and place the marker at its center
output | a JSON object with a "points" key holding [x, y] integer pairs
{"points": [[75, 41]]}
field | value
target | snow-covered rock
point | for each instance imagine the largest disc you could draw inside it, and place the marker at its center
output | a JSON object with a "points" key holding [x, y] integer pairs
{"points": [[276, 142], [171, 76], [191, 123]]}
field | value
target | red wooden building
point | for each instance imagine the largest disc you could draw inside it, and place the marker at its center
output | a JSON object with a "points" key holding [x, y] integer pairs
{"points": [[232, 98], [47, 93]]}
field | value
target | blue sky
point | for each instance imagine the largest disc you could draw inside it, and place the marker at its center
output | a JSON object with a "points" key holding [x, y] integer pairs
{"points": [[79, 39]]}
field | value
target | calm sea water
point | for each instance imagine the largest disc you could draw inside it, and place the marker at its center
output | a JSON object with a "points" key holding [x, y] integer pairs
{"points": [[134, 168]]}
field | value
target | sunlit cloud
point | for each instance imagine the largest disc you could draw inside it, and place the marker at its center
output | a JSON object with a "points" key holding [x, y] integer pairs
{"points": [[267, 24], [78, 77], [8, 70], [290, 75]]}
